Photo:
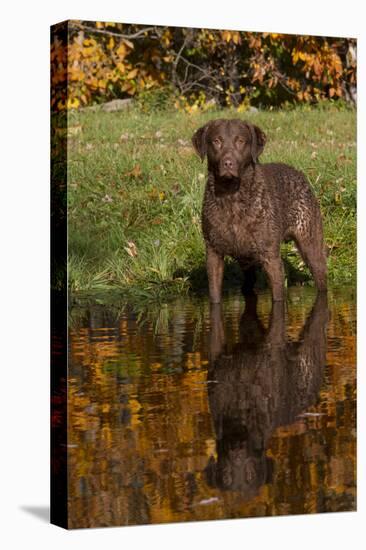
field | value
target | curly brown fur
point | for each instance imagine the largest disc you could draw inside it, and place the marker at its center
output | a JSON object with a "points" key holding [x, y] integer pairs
{"points": [[250, 208]]}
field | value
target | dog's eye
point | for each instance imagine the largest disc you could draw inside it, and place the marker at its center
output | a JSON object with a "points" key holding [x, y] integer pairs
{"points": [[217, 142], [240, 140]]}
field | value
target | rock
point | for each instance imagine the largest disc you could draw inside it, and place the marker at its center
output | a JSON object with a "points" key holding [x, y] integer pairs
{"points": [[253, 109], [117, 105], [211, 103]]}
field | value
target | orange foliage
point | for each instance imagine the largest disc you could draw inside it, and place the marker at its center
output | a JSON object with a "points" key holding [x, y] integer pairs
{"points": [[94, 62]]}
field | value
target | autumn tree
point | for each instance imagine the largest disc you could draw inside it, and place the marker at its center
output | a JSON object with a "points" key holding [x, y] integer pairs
{"points": [[95, 62]]}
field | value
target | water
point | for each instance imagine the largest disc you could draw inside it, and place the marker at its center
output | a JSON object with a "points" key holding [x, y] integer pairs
{"points": [[185, 412]]}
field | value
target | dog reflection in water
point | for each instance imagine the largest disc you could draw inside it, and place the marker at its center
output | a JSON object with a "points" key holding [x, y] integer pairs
{"points": [[266, 381]]}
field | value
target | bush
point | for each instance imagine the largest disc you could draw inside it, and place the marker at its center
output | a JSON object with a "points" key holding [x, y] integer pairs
{"points": [[157, 99]]}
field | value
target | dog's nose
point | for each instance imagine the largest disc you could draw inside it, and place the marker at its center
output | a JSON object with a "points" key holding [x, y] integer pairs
{"points": [[228, 163]]}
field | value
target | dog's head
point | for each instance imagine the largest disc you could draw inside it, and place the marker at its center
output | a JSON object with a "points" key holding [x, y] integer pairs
{"points": [[230, 145]]}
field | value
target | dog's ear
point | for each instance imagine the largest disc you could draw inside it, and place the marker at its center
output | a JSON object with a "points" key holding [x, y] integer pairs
{"points": [[199, 140], [259, 139]]}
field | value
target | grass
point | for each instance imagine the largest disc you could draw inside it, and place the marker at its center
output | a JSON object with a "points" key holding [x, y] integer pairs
{"points": [[135, 189]]}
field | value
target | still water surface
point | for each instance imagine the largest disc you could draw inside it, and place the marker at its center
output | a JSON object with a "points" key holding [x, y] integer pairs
{"points": [[187, 412]]}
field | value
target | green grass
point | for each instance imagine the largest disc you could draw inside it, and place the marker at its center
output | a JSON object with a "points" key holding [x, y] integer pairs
{"points": [[135, 189]]}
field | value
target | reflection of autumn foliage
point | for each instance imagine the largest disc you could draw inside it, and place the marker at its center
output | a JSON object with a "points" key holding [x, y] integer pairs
{"points": [[58, 413], [141, 432], [98, 61]]}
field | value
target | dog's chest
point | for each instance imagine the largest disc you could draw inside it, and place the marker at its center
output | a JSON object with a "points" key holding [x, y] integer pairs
{"points": [[232, 226]]}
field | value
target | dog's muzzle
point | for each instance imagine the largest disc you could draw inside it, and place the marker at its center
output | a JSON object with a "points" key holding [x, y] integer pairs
{"points": [[228, 168]]}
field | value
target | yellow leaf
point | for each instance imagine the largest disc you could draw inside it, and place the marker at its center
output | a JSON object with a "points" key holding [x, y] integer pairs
{"points": [[121, 50], [73, 104], [242, 107], [121, 67], [132, 74], [236, 38]]}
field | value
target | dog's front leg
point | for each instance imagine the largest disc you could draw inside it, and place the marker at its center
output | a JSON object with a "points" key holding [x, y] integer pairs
{"points": [[273, 267], [215, 272], [217, 332]]}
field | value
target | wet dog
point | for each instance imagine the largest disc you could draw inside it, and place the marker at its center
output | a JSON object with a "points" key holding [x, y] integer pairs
{"points": [[250, 208]]}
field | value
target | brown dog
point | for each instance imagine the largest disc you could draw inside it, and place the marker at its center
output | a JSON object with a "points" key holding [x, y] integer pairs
{"points": [[250, 208]]}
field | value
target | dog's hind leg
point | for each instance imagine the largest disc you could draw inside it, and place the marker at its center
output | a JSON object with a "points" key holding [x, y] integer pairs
{"points": [[273, 267], [313, 253]]}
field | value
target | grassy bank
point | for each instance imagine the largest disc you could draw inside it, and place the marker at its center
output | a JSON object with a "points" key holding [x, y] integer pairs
{"points": [[135, 190]]}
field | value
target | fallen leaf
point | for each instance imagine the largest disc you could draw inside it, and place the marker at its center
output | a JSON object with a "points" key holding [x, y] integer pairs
{"points": [[136, 172], [186, 150], [131, 249], [74, 130], [107, 198]]}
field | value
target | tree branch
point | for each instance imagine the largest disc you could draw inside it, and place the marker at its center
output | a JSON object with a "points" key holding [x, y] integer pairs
{"points": [[81, 27]]}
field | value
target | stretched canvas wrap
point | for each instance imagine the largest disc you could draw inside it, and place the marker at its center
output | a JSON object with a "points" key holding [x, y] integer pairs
{"points": [[166, 407]]}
